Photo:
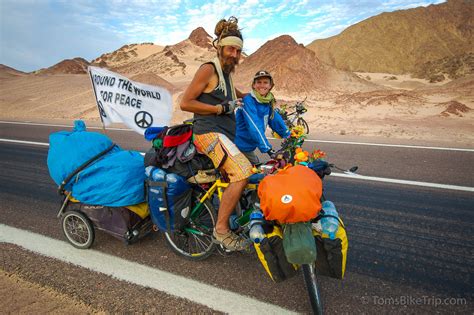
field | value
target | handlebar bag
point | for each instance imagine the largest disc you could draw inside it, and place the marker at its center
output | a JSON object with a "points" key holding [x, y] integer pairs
{"points": [[332, 254], [272, 256], [291, 196]]}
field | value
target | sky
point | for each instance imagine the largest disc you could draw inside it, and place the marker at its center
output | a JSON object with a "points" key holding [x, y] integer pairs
{"points": [[36, 34]]}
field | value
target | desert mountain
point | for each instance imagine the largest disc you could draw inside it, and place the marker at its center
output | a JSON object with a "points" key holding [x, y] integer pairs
{"points": [[8, 72], [295, 69], [176, 63], [127, 54], [67, 66], [402, 41], [453, 67]]}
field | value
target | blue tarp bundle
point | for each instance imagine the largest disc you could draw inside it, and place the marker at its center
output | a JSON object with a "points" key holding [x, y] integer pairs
{"points": [[115, 179]]}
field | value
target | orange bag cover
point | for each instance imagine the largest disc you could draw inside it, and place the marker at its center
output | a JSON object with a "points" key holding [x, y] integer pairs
{"points": [[292, 195]]}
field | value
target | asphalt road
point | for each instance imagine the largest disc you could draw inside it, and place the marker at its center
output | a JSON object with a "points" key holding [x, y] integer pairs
{"points": [[406, 242]]}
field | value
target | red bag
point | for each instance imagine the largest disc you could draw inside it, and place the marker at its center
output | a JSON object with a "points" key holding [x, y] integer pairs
{"points": [[292, 195]]}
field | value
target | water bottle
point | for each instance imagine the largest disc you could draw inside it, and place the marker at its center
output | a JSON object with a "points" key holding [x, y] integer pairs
{"points": [[157, 174], [256, 230], [330, 225]]}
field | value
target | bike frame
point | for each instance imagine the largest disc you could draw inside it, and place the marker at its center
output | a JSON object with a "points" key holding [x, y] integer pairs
{"points": [[294, 118], [218, 187], [296, 114]]}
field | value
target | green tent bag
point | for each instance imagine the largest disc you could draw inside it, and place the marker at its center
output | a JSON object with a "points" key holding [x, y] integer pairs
{"points": [[298, 243]]}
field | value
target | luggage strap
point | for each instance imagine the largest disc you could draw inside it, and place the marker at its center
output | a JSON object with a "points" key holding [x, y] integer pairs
{"points": [[83, 166]]}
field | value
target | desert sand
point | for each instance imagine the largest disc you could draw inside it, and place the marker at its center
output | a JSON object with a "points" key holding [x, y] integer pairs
{"points": [[424, 112], [23, 297], [398, 81]]}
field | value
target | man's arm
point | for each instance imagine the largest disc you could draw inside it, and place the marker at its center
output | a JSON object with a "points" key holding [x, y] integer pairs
{"points": [[240, 94], [189, 102]]}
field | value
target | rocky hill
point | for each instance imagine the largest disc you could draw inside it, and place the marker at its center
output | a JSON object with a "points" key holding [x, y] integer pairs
{"points": [[176, 63], [67, 66], [296, 69], [127, 54], [451, 67], [8, 72], [402, 41]]}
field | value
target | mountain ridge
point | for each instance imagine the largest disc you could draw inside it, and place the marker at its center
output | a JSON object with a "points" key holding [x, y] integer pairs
{"points": [[398, 42], [296, 69]]}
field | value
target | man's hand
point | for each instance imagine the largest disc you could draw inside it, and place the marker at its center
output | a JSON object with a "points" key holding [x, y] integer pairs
{"points": [[230, 106]]}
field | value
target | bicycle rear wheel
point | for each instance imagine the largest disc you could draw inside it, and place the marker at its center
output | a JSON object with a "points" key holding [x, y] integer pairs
{"points": [[302, 122], [309, 276], [194, 240]]}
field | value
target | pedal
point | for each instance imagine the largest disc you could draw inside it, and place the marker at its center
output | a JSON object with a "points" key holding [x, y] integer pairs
{"points": [[224, 251]]}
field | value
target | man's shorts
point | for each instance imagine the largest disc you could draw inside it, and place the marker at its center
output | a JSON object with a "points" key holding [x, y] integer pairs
{"points": [[217, 147]]}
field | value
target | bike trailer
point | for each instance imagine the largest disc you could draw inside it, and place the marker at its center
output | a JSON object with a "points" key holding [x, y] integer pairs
{"points": [[169, 198], [272, 256], [291, 196], [120, 222], [332, 254]]}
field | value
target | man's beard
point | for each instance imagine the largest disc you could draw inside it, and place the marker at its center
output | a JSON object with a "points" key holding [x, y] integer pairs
{"points": [[229, 64]]}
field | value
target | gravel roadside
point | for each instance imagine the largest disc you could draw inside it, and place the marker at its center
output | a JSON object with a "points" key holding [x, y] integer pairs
{"points": [[22, 297]]}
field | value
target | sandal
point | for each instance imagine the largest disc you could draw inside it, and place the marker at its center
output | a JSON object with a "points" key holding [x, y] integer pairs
{"points": [[230, 241]]}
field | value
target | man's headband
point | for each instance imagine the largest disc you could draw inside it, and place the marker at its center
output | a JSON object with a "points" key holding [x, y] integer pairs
{"points": [[231, 41]]}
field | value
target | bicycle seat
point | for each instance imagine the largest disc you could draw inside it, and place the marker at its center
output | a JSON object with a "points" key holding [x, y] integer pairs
{"points": [[204, 177]]}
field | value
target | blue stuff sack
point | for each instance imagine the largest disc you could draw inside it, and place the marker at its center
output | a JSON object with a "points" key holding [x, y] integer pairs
{"points": [[115, 179], [169, 199], [70, 149]]}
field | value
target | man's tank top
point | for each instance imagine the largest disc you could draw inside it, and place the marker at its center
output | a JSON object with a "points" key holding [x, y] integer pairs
{"points": [[224, 124]]}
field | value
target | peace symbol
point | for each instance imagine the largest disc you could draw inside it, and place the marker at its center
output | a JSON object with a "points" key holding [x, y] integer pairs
{"points": [[101, 110], [143, 119]]}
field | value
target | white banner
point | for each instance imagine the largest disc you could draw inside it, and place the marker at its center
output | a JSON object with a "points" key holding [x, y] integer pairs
{"points": [[137, 105]]}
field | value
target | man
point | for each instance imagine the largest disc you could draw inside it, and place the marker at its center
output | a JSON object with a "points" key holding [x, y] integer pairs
{"points": [[212, 98], [253, 117]]}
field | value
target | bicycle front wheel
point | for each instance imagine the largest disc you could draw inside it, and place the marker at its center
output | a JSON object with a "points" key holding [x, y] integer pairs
{"points": [[194, 240], [302, 122], [309, 276]]}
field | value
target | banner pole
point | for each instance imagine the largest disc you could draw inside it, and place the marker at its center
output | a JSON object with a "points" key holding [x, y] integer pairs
{"points": [[97, 100]]}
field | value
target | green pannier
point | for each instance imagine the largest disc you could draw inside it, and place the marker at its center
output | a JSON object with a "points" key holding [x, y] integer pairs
{"points": [[298, 243], [272, 256]]}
